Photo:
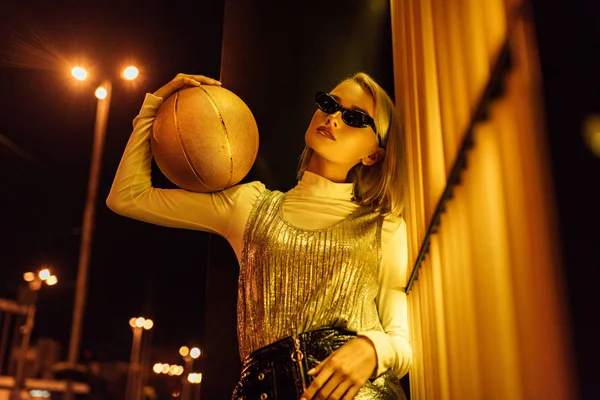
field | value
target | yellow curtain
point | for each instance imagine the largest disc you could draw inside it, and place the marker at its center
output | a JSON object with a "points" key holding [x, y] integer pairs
{"points": [[487, 313]]}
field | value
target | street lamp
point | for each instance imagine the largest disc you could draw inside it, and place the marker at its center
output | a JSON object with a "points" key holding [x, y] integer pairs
{"points": [[35, 283], [138, 325], [196, 379], [103, 93], [189, 355], [171, 370]]}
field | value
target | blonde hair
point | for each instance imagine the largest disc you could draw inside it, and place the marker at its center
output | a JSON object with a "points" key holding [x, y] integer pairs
{"points": [[383, 184]]}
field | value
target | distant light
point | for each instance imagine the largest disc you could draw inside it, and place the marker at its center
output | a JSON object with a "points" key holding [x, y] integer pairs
{"points": [[101, 93], [591, 133], [184, 351], [157, 368], [175, 394], [195, 353], [79, 73], [39, 394], [140, 322], [173, 370], [44, 274], [179, 370], [130, 73], [29, 276], [165, 368], [132, 322], [148, 324], [195, 378], [52, 280]]}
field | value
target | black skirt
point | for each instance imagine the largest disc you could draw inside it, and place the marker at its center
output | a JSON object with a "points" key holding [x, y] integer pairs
{"points": [[279, 371]]}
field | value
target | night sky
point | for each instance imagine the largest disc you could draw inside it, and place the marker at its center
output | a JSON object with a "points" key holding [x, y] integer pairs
{"points": [[46, 130]]}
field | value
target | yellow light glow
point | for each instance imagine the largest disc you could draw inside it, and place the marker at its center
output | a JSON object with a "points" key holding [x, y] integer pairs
{"points": [[165, 368], [175, 394], [195, 352], [101, 93], [184, 351], [140, 322], [132, 322], [29, 276], [595, 143], [179, 370], [173, 370], [79, 73], [192, 378], [148, 324], [157, 368], [591, 133], [52, 280], [44, 274], [130, 72]]}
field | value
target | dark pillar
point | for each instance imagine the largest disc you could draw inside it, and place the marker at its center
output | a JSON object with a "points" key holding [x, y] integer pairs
{"points": [[275, 56], [570, 64]]}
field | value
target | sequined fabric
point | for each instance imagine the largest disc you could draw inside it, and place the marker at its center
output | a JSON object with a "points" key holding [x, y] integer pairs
{"points": [[271, 373], [294, 280]]}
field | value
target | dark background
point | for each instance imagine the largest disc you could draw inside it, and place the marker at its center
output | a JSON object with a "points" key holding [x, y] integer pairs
{"points": [[46, 127]]}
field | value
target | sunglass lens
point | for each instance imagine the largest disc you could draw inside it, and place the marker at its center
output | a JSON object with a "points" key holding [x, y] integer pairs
{"points": [[327, 103], [354, 118]]}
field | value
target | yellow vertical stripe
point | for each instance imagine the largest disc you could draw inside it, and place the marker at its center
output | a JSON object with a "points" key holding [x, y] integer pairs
{"points": [[485, 312]]}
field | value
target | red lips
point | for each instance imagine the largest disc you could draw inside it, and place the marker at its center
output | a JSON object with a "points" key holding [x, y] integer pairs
{"points": [[326, 131]]}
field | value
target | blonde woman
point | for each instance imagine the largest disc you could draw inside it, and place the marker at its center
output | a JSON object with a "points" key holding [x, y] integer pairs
{"points": [[321, 305]]}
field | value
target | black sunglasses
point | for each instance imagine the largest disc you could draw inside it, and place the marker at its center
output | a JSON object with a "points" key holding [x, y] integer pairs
{"points": [[354, 118]]}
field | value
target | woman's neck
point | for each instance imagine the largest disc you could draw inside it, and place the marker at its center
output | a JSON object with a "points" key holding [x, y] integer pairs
{"points": [[334, 172]]}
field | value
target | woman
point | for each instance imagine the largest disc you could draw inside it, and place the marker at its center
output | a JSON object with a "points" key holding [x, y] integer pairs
{"points": [[321, 305]]}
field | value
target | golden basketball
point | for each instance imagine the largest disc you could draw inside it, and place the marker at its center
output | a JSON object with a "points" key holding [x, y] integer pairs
{"points": [[204, 139]]}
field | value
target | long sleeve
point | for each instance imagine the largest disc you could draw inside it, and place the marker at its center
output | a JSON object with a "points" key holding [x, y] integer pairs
{"points": [[392, 346], [133, 196]]}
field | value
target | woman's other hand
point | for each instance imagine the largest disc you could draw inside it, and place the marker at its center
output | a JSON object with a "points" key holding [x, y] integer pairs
{"points": [[344, 372], [182, 81]]}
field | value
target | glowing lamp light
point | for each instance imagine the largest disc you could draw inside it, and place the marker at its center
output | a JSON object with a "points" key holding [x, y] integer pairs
{"points": [[157, 368], [44, 274], [132, 322], [52, 280], [184, 351], [29, 276], [173, 370], [148, 324], [195, 352], [79, 73], [140, 322], [101, 93], [165, 368], [130, 73], [591, 133], [195, 378]]}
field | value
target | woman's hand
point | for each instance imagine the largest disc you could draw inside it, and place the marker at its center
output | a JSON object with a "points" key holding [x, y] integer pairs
{"points": [[344, 372], [183, 80]]}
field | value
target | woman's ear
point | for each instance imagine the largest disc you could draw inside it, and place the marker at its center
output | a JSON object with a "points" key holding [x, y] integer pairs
{"points": [[374, 157]]}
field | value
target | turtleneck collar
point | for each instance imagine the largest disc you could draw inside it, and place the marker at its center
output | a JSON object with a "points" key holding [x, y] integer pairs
{"points": [[314, 185]]}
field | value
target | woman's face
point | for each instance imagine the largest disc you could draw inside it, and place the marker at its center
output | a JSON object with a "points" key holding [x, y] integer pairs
{"points": [[330, 138]]}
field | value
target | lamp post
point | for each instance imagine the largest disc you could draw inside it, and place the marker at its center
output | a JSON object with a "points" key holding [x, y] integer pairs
{"points": [[35, 282], [133, 389], [103, 93], [196, 379], [189, 355]]}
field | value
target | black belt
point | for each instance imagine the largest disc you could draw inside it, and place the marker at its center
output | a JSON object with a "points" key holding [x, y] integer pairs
{"points": [[278, 371]]}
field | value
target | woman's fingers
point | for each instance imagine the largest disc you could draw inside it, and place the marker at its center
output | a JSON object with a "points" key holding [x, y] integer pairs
{"points": [[200, 79], [190, 82]]}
